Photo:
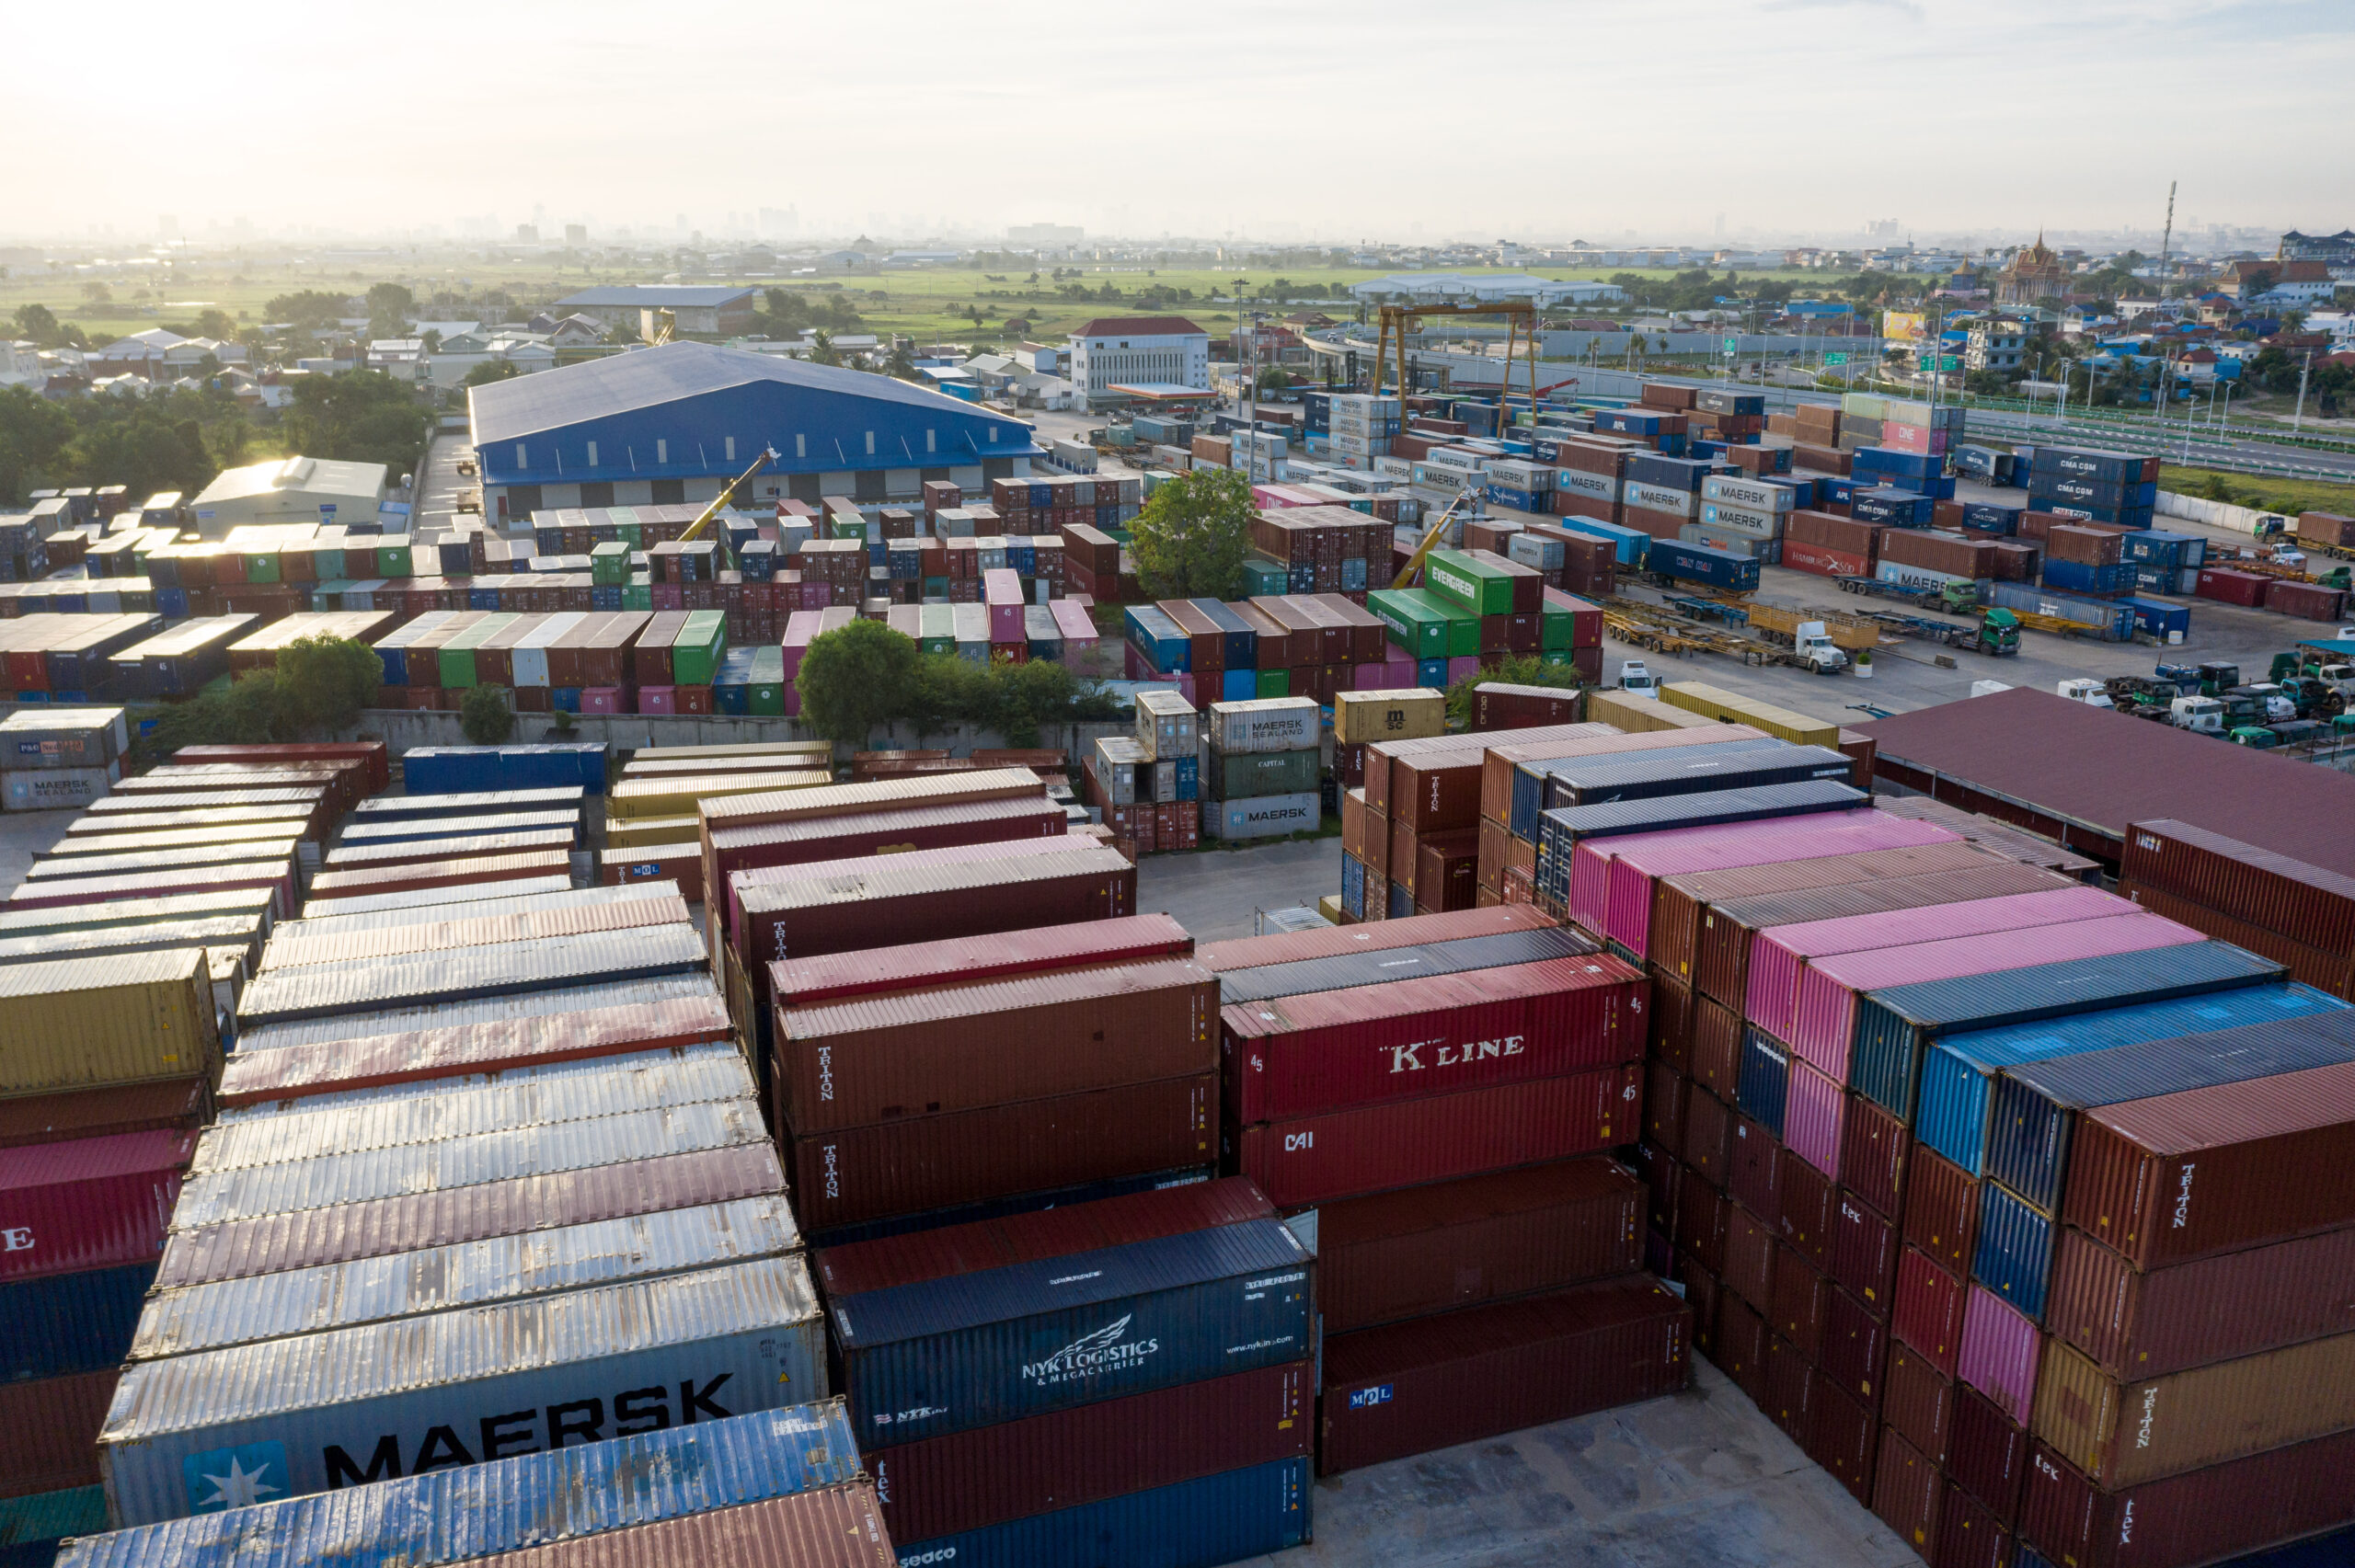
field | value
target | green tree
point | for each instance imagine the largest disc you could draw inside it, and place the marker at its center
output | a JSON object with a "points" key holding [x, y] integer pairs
{"points": [[357, 417], [39, 324], [821, 350], [323, 682], [214, 323], [243, 712], [485, 716], [856, 678], [1192, 537], [903, 363], [391, 299], [33, 436], [307, 307], [490, 370]]}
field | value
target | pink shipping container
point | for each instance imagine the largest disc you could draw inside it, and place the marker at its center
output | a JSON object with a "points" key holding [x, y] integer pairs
{"points": [[1776, 955], [1075, 623], [1612, 879], [601, 699], [1398, 673], [1378, 677], [659, 699], [1814, 1113], [1302, 1055], [1381, 1148], [2000, 1348], [1002, 592], [1464, 667], [1824, 1021], [90, 1203]]}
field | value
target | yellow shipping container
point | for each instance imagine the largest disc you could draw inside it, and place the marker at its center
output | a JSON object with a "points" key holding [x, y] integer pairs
{"points": [[1716, 703], [1408, 713], [122, 1018], [656, 765], [804, 753], [1329, 906], [667, 796], [636, 832], [1638, 716]]}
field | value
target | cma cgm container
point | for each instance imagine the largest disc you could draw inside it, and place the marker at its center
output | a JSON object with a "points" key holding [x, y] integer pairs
{"points": [[939, 1333], [370, 1404], [576, 1493]]}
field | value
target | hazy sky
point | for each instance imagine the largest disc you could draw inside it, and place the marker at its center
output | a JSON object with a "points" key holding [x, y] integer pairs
{"points": [[1554, 118]]}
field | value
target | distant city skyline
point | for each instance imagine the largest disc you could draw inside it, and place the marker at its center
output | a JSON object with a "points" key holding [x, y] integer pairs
{"points": [[1679, 121]]}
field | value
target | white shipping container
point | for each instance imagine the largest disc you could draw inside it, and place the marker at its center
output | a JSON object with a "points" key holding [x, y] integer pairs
{"points": [[290, 1417], [1744, 520], [1164, 782], [1748, 492], [1520, 474], [1402, 468], [1167, 724], [1661, 498], [45, 736], [1463, 459], [1262, 817], [1535, 551], [1265, 724], [1918, 577], [1598, 487], [56, 789], [1116, 768]]}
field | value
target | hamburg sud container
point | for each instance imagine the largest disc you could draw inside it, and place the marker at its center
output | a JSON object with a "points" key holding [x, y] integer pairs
{"points": [[2202, 1515], [126, 1018], [325, 1411], [937, 1334], [578, 1492], [88, 1203], [1305, 1055], [1431, 1383], [1778, 958], [1409, 1254]]}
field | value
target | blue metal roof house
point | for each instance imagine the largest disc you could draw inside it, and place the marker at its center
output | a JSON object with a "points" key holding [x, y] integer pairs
{"points": [[674, 423]]}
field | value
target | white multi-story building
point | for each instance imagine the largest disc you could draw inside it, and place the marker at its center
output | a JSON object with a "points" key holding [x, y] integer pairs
{"points": [[2000, 344], [1141, 351]]}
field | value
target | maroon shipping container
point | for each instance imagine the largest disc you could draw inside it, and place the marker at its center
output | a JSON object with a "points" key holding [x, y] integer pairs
{"points": [[2305, 600], [848, 906], [833, 1527], [2183, 1176], [1741, 1347], [2199, 1518], [1986, 1454], [1932, 551], [1701, 1218], [49, 1432], [1455, 1244], [2333, 972], [369, 753], [1665, 1090], [1968, 1535], [1717, 1047], [1298, 1055], [1790, 1387], [1855, 1348], [2145, 1325], [1942, 1212], [2227, 587], [1497, 706], [2305, 903], [848, 1177], [1908, 1488], [1707, 1137], [310, 1238], [1928, 1315], [2083, 546], [1414, 1387], [294, 947], [1755, 1172], [1751, 1247], [1662, 1177], [88, 1203], [1810, 1211], [1672, 1021], [969, 961], [1864, 1254], [327, 886], [1842, 1435], [179, 1105], [1918, 1400], [930, 1053], [1378, 1148], [1802, 1303], [924, 826], [970, 1480], [1702, 1289]]}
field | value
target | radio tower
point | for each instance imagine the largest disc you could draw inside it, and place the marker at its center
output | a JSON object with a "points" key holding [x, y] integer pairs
{"points": [[2166, 238]]}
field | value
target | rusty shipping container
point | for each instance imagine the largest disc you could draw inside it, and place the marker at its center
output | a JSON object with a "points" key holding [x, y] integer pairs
{"points": [[1942, 1212], [1434, 1382], [179, 1104], [49, 1432], [1455, 1244], [926, 827], [971, 960], [864, 1061], [739, 812], [332, 885], [1306, 1055]]}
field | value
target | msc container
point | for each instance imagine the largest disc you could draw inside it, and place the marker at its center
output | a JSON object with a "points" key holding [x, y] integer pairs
{"points": [[1438, 1248], [63, 1324], [1003, 1319], [1310, 1054], [1378, 1148], [859, 1061], [1225, 1517], [321, 990], [2181, 1176], [89, 1202], [2205, 1515], [1894, 1025], [329, 1410], [1414, 1387], [125, 1018]]}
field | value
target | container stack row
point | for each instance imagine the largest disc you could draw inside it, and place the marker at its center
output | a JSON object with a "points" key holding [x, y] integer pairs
{"points": [[1473, 609], [1245, 770], [1293, 645]]}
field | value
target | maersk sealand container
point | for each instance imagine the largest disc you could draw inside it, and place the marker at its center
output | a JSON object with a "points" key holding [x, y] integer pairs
{"points": [[458, 1514], [315, 1413]]}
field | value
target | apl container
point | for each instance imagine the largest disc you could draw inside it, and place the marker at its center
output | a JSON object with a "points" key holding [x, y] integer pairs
{"points": [[330, 1410]]}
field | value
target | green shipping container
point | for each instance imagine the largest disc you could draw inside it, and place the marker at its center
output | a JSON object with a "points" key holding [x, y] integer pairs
{"points": [[767, 697], [457, 655], [936, 588], [1245, 775], [936, 628], [261, 565], [1556, 630], [1413, 623], [694, 652], [1467, 584], [638, 596], [1556, 656], [630, 533], [393, 561], [609, 564], [1263, 578], [1462, 627], [1275, 683]]}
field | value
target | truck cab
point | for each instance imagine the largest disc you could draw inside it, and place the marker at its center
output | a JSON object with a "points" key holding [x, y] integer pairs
{"points": [[1812, 642], [2273, 704], [1999, 632], [2202, 716], [2093, 693], [1636, 681]]}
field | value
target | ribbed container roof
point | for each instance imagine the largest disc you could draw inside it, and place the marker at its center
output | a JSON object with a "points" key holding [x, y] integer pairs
{"points": [[362, 856], [884, 795], [981, 1000], [1716, 807], [136, 912], [883, 879], [912, 818], [410, 829], [396, 807], [291, 948], [408, 914], [109, 973], [2078, 984], [318, 990], [1383, 965], [426, 898], [228, 931], [476, 1010]]}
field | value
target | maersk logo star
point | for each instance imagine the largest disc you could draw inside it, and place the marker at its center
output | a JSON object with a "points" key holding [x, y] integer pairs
{"points": [[234, 1478]]}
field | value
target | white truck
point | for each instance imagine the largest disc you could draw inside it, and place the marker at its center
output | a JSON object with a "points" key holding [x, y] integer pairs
{"points": [[1636, 681], [2093, 693], [1812, 641], [2202, 716]]}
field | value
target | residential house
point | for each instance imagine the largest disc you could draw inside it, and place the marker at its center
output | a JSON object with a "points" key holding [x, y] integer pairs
{"points": [[137, 353], [2298, 284], [1995, 343], [2203, 365], [716, 311]]}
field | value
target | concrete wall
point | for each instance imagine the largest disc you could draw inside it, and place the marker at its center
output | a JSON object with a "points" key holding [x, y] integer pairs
{"points": [[2215, 514], [401, 728]]}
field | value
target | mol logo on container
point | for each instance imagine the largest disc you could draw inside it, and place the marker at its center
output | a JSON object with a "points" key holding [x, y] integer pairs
{"points": [[1366, 1399]]}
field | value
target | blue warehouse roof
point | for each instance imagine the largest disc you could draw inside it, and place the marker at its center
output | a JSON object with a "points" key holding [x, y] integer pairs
{"points": [[673, 410], [656, 296]]}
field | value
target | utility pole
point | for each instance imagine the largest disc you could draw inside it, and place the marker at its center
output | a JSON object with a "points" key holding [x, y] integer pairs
{"points": [[2304, 368], [2166, 238]]}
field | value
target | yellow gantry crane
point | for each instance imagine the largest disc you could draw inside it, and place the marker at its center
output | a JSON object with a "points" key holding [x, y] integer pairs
{"points": [[1400, 320]]}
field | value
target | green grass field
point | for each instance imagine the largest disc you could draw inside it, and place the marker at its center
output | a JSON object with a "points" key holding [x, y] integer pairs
{"points": [[2288, 496]]}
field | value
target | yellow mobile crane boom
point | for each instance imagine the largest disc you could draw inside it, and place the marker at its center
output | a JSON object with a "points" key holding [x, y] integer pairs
{"points": [[726, 494]]}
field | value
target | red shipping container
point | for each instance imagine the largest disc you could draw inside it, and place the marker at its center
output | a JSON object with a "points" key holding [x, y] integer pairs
{"points": [[1741, 1347], [1707, 1137], [2182, 1177], [1662, 1179], [2274, 892], [928, 1162], [1844, 1436], [1864, 1254], [973, 960], [988, 1475], [179, 1105], [1802, 1303], [1929, 1309], [2219, 1309], [2307, 601], [90, 1203], [369, 753], [1414, 1387], [1855, 1348], [1987, 1454], [1809, 1210], [1751, 1247], [1665, 1090], [834, 1527], [2203, 1517], [1296, 947], [1717, 1048], [1700, 1217], [1441, 1248], [1942, 1212], [1755, 1172], [49, 1432], [1020, 813], [1671, 1041], [1790, 1387], [1907, 1491], [2228, 587], [1824, 561], [1378, 1148], [1918, 1401], [1872, 1156], [1968, 1535]]}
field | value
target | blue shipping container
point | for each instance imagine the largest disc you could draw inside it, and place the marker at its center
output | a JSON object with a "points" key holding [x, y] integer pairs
{"points": [[1764, 1081], [1559, 832], [1700, 563], [2160, 548], [2035, 1111], [1432, 673], [1195, 1523], [1352, 886], [1672, 473], [1159, 639], [63, 1323], [1402, 902], [1630, 546], [2075, 576], [1890, 459], [1899, 509], [2015, 1255], [1241, 643], [1989, 518], [1895, 1025], [972, 1349], [456, 770], [2157, 620]]}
